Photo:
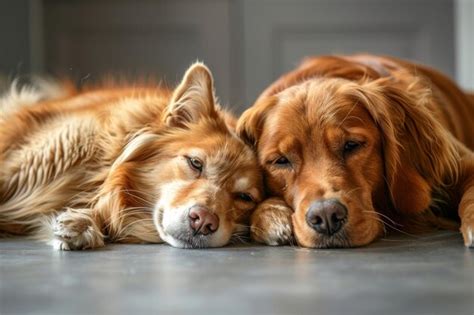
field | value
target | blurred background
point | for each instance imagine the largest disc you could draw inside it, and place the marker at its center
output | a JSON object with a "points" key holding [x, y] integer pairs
{"points": [[246, 43]]}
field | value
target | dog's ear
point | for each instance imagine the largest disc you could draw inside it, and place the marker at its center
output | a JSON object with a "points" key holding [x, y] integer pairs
{"points": [[250, 123], [418, 153], [193, 99]]}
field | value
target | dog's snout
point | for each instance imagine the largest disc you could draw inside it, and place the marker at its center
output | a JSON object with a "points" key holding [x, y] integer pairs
{"points": [[203, 221], [326, 216]]}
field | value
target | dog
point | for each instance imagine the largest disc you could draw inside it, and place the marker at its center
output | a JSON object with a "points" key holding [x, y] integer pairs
{"points": [[126, 164], [353, 145]]}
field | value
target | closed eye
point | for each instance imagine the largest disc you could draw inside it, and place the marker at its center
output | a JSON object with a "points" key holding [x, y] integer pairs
{"points": [[350, 147], [282, 161], [245, 197]]}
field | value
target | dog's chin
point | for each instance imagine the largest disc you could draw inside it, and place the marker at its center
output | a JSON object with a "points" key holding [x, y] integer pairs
{"points": [[342, 239], [338, 240], [182, 237], [315, 240], [184, 240]]}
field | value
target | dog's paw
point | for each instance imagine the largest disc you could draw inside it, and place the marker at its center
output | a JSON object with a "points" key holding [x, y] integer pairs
{"points": [[467, 230], [75, 230], [467, 226], [271, 223]]}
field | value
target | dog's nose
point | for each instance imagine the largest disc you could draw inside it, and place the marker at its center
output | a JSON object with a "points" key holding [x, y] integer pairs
{"points": [[326, 216], [203, 221]]}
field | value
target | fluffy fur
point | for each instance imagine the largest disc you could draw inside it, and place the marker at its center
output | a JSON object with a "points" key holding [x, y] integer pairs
{"points": [[391, 140], [114, 164]]}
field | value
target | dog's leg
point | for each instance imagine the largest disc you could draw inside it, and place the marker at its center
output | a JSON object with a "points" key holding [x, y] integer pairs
{"points": [[271, 223], [76, 229], [466, 205]]}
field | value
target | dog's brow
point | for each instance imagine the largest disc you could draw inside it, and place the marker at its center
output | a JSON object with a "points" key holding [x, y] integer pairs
{"points": [[241, 184], [289, 144], [357, 130], [195, 152]]}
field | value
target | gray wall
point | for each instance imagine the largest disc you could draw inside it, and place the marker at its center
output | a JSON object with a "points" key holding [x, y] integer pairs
{"points": [[14, 37], [465, 43], [157, 38], [420, 30], [247, 43]]}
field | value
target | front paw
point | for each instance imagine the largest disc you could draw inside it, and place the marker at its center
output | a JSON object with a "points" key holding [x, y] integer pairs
{"points": [[467, 230], [74, 230], [271, 223]]}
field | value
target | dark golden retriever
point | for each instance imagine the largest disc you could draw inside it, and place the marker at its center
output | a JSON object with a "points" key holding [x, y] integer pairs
{"points": [[351, 145]]}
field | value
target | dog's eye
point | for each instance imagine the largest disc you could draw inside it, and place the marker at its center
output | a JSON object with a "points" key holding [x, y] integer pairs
{"points": [[282, 161], [195, 164], [350, 146], [244, 197]]}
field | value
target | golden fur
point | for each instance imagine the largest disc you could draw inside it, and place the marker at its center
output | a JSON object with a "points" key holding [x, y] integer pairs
{"points": [[412, 167], [114, 164]]}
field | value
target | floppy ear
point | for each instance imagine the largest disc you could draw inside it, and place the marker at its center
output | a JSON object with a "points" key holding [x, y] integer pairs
{"points": [[193, 99], [418, 153], [250, 123]]}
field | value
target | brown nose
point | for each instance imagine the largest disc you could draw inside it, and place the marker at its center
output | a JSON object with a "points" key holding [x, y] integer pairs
{"points": [[326, 216], [203, 221]]}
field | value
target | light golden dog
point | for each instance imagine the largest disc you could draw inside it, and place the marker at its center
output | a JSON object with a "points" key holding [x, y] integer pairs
{"points": [[352, 145], [126, 165]]}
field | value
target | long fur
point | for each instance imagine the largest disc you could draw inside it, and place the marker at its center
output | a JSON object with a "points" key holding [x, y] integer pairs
{"points": [[420, 132], [83, 167]]}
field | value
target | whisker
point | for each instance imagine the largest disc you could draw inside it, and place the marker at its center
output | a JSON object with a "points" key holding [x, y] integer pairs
{"points": [[384, 216], [393, 227], [130, 193], [240, 238], [351, 191], [126, 226]]}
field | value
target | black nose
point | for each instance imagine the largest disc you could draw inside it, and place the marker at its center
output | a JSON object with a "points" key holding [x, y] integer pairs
{"points": [[326, 216], [203, 221]]}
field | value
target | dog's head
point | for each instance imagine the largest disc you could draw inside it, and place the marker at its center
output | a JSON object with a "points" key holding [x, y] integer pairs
{"points": [[206, 180], [342, 152]]}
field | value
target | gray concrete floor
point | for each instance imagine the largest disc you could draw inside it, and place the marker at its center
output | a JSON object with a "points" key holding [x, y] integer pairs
{"points": [[402, 275]]}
